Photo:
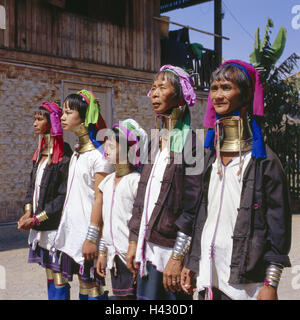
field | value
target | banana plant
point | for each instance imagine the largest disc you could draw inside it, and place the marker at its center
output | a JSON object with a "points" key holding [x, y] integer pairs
{"points": [[281, 96], [266, 54]]}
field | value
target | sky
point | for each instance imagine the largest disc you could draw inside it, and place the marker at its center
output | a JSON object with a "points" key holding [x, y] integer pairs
{"points": [[241, 19]]}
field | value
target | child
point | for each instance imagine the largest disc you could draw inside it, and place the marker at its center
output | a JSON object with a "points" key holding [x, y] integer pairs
{"points": [[118, 191], [77, 237], [46, 192], [242, 232]]}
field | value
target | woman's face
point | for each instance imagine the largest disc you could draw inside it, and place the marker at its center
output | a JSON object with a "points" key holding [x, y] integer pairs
{"points": [[225, 96], [162, 95], [40, 124], [70, 119]]}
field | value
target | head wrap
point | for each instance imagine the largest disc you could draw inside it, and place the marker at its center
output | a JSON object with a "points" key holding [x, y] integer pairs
{"points": [[258, 149], [55, 132], [93, 118], [186, 83], [131, 130]]}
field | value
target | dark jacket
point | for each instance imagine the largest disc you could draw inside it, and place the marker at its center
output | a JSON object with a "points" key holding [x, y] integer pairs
{"points": [[262, 233], [52, 190], [177, 190]]}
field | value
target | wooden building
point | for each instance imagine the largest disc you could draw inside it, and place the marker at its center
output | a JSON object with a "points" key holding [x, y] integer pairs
{"points": [[50, 48]]}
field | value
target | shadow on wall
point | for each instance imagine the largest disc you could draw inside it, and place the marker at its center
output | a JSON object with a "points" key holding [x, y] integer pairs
{"points": [[11, 238]]}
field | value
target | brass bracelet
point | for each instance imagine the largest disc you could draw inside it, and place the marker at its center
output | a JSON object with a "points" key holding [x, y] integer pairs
{"points": [[42, 216], [176, 256], [91, 241], [102, 254], [28, 207]]}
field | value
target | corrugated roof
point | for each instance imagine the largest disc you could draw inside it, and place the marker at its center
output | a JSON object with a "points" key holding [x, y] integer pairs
{"points": [[168, 5]]}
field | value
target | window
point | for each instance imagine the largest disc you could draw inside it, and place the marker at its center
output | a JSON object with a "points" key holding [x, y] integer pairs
{"points": [[2, 18]]}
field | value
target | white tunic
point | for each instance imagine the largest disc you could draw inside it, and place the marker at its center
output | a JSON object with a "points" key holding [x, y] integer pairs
{"points": [[116, 212], [157, 255], [223, 196], [44, 239], [79, 202]]}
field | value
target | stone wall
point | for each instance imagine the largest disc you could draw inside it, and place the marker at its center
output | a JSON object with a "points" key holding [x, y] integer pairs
{"points": [[24, 87]]}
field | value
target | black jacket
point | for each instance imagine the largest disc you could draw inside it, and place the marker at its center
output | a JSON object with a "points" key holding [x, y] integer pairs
{"points": [[262, 233], [52, 190], [177, 192]]}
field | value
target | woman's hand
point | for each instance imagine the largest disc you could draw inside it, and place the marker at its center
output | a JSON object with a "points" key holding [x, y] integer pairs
{"points": [[267, 293], [101, 265], [187, 281], [130, 258], [26, 224], [23, 219], [171, 275], [89, 250]]}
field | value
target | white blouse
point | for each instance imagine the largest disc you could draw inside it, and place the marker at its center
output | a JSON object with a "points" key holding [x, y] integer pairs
{"points": [[116, 212], [224, 196], [79, 202], [157, 255]]}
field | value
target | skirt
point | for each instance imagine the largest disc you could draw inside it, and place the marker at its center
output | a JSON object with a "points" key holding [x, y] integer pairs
{"points": [[42, 257], [87, 272], [123, 284]]}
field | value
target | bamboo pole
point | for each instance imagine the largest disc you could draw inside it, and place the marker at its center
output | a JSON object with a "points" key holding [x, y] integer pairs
{"points": [[191, 28]]}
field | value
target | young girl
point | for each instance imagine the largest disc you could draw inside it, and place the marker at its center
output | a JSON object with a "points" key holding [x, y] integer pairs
{"points": [[118, 192], [46, 192], [77, 236]]}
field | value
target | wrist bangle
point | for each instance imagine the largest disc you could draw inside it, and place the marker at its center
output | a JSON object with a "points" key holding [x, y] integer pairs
{"points": [[176, 256], [182, 244], [270, 283], [28, 207], [102, 254], [92, 234], [273, 274], [42, 216], [102, 246]]}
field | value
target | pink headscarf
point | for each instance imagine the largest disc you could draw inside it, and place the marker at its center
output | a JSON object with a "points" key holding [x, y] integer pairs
{"points": [[258, 95]]}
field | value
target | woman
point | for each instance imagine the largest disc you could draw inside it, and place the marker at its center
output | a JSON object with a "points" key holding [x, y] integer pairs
{"points": [[77, 237], [46, 193], [242, 232]]}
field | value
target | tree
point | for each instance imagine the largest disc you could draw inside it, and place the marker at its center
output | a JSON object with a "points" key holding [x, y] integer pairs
{"points": [[281, 97]]}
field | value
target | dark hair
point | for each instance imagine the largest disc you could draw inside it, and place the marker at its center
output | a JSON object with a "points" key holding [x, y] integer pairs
{"points": [[231, 72], [78, 103], [120, 139], [43, 112], [174, 80]]}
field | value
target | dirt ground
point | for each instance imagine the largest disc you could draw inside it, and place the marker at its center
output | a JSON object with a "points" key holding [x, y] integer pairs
{"points": [[20, 280]]}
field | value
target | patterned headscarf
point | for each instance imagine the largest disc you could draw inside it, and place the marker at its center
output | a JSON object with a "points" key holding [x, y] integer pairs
{"points": [[56, 133], [186, 83], [93, 119], [131, 131]]}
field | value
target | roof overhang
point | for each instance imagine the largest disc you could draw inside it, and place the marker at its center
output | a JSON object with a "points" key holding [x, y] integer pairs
{"points": [[168, 5]]}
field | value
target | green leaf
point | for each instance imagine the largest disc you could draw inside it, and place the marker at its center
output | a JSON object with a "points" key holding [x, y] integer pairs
{"points": [[255, 56], [279, 44]]}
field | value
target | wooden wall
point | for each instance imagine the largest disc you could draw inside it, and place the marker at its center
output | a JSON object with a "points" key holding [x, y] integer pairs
{"points": [[37, 27]]}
